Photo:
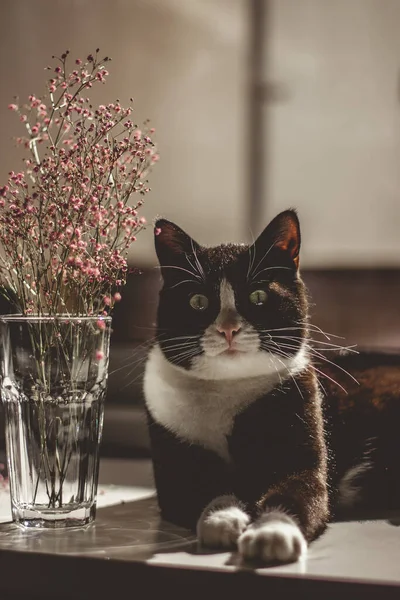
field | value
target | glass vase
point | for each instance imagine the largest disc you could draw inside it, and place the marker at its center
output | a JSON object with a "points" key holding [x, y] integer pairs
{"points": [[53, 385]]}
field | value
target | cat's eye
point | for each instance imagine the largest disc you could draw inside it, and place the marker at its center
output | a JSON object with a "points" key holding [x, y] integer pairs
{"points": [[199, 302], [258, 297]]}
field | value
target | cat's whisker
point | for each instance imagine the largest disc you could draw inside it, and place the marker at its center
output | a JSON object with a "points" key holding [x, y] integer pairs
{"points": [[324, 333], [180, 269], [294, 337], [311, 366], [133, 354], [268, 269], [322, 357], [288, 370], [330, 346], [327, 377], [133, 366], [260, 262], [314, 341], [200, 269], [251, 260], [271, 357], [176, 347], [184, 356], [180, 338], [180, 283], [304, 326], [134, 363]]}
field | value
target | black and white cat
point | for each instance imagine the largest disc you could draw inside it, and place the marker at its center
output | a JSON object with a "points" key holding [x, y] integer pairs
{"points": [[233, 400]]}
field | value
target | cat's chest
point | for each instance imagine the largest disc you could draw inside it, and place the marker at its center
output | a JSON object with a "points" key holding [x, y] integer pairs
{"points": [[198, 411]]}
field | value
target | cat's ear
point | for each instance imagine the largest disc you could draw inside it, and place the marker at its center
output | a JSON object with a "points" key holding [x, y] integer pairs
{"points": [[282, 234], [172, 243]]}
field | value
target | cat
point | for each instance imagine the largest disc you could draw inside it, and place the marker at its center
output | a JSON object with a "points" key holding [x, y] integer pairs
{"points": [[242, 444]]}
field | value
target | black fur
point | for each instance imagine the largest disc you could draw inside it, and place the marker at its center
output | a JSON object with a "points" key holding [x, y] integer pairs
{"points": [[278, 445]]}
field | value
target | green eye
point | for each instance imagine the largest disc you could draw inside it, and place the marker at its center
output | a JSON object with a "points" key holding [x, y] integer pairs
{"points": [[199, 302], [258, 297]]}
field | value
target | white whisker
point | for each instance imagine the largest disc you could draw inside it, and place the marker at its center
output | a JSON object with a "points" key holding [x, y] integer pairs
{"points": [[180, 269], [200, 269], [260, 262], [268, 269]]}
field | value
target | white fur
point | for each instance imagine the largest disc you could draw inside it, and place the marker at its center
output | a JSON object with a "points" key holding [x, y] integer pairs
{"points": [[349, 491], [228, 308], [201, 410], [199, 405], [221, 524], [272, 541]]}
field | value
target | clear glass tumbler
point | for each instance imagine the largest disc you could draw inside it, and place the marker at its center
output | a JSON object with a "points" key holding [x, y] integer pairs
{"points": [[53, 384]]}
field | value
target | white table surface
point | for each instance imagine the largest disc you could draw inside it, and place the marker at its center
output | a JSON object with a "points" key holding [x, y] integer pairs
{"points": [[366, 551]]}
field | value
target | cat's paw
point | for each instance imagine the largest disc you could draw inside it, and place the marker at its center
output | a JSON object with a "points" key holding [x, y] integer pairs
{"points": [[221, 523], [275, 537]]}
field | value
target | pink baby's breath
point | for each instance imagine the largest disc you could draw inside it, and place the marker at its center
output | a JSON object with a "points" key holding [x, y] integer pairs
{"points": [[67, 222], [99, 355]]}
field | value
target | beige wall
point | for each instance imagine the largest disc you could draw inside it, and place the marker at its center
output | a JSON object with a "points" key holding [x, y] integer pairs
{"points": [[184, 61], [334, 131]]}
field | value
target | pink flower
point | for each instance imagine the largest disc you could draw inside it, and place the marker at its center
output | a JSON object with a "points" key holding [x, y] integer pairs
{"points": [[157, 231], [99, 355], [87, 226], [101, 324]]}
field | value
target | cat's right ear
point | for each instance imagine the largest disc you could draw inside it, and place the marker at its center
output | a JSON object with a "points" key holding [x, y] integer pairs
{"points": [[172, 243]]}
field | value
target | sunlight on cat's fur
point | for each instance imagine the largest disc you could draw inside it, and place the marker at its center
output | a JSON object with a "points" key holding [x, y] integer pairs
{"points": [[234, 386]]}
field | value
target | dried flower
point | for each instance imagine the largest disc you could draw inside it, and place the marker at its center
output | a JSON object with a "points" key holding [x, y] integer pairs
{"points": [[67, 221]]}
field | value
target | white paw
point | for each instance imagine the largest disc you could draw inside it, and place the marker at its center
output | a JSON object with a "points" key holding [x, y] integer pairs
{"points": [[273, 540], [221, 527]]}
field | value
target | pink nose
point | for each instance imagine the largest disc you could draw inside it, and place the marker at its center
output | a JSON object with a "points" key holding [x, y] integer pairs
{"points": [[229, 331]]}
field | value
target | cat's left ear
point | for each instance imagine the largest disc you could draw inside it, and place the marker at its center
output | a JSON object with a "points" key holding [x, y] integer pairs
{"points": [[172, 243], [282, 234]]}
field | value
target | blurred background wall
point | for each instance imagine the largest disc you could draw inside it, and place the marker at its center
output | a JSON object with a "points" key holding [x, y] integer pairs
{"points": [[334, 127], [185, 64], [325, 94]]}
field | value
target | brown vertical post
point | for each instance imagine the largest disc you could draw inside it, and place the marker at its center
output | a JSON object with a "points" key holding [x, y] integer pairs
{"points": [[257, 127]]}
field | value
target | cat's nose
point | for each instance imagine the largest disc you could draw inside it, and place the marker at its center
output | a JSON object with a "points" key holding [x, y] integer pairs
{"points": [[229, 331]]}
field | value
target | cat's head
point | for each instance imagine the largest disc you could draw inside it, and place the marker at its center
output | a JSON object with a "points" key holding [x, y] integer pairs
{"points": [[232, 310]]}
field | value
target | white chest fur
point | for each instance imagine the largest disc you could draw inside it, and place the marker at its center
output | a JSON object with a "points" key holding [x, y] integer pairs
{"points": [[201, 410]]}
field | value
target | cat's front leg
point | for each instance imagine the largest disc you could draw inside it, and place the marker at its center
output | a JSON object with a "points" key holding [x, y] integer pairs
{"points": [[274, 537], [291, 514], [222, 522]]}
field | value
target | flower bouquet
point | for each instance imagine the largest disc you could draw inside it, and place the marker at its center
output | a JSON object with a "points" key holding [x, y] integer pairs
{"points": [[66, 225]]}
